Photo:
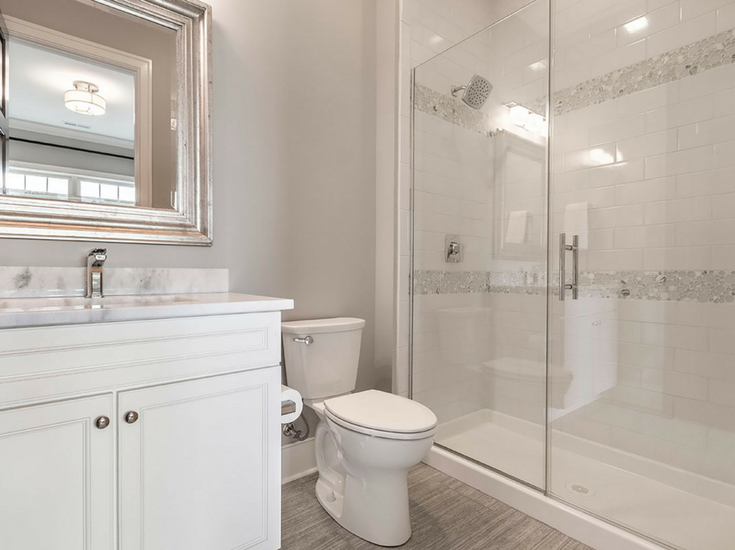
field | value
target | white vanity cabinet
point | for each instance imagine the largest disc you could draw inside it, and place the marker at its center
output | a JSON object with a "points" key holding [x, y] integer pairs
{"points": [[195, 466], [158, 435], [57, 476]]}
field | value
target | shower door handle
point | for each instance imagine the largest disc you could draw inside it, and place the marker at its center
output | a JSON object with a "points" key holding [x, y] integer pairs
{"points": [[563, 249]]}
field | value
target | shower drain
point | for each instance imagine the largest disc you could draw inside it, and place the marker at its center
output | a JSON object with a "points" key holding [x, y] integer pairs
{"points": [[580, 489]]}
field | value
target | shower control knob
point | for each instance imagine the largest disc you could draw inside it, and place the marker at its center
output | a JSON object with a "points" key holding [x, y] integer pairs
{"points": [[131, 417], [102, 422]]}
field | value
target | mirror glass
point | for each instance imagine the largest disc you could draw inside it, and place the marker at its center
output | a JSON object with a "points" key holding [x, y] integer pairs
{"points": [[92, 105]]}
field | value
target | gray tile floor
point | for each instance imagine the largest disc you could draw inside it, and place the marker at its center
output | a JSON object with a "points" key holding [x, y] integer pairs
{"points": [[445, 515]]}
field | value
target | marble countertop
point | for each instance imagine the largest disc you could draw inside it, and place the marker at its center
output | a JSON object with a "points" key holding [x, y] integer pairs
{"points": [[29, 312]]}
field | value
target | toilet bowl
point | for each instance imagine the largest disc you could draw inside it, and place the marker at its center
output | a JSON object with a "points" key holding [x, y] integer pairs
{"points": [[366, 441]]}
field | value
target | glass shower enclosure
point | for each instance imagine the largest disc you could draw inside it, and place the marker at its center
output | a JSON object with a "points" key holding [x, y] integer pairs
{"points": [[573, 259]]}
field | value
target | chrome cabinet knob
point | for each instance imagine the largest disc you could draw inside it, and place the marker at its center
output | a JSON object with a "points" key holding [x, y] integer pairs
{"points": [[102, 422], [131, 417]]}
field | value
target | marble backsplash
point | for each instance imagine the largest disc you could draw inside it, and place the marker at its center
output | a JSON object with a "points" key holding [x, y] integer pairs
{"points": [[44, 282]]}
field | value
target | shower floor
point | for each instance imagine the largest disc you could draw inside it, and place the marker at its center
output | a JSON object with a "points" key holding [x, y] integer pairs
{"points": [[660, 510]]}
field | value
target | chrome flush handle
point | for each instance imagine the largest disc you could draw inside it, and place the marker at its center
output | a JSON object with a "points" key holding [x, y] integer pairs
{"points": [[308, 340]]}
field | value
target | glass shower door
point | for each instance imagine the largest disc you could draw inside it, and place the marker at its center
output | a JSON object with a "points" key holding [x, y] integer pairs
{"points": [[642, 364], [480, 247]]}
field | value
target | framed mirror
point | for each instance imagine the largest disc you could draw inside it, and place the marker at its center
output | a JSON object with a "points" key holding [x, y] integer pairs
{"points": [[105, 120]]}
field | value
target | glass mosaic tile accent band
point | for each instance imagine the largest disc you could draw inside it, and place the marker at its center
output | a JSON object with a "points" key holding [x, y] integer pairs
{"points": [[451, 110], [707, 286], [690, 60]]}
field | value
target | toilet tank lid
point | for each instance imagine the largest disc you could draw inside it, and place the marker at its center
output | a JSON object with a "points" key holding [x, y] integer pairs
{"points": [[316, 326]]}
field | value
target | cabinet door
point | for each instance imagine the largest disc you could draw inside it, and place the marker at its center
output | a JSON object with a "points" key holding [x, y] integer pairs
{"points": [[57, 476], [200, 466]]}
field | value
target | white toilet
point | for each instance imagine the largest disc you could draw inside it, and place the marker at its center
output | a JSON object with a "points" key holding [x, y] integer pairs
{"points": [[365, 441]]}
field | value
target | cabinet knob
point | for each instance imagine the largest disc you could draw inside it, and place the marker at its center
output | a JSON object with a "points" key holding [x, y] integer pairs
{"points": [[102, 422], [131, 417]]}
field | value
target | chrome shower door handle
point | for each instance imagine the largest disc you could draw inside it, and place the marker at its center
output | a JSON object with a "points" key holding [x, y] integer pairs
{"points": [[574, 249]]}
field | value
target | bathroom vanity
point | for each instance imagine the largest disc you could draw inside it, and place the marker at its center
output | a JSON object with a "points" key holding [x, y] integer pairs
{"points": [[140, 422]]}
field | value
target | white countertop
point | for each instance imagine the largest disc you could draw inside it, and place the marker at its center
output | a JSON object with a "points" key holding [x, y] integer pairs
{"points": [[29, 312]]}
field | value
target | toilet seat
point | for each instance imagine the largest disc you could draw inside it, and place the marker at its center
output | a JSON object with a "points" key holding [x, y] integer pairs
{"points": [[382, 414]]}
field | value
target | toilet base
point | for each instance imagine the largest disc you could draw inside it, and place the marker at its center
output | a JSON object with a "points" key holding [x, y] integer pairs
{"points": [[387, 526], [369, 501]]}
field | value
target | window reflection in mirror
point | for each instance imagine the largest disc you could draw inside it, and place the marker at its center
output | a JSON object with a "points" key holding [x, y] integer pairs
{"points": [[91, 97]]}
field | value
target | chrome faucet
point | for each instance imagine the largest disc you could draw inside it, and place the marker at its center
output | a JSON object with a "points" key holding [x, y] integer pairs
{"points": [[95, 260]]}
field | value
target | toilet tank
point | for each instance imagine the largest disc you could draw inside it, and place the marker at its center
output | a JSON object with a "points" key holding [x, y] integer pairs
{"points": [[327, 366]]}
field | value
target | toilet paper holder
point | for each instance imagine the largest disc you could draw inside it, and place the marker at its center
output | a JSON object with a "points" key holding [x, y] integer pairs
{"points": [[288, 407]]}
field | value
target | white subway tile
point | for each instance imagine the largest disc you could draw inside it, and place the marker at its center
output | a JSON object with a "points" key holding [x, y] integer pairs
{"points": [[677, 336], [617, 216], [711, 182], [619, 173], [726, 17], [722, 392], [685, 33], [618, 129], [656, 21], [716, 232], [707, 83], [588, 158], [707, 132], [681, 114], [648, 145], [694, 8], [725, 154], [647, 236], [588, 48], [680, 210], [643, 400], [678, 258], [618, 58], [680, 162], [610, 260], [617, 14], [723, 257]]}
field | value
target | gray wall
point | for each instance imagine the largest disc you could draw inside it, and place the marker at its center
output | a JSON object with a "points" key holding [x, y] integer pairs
{"points": [[294, 163]]}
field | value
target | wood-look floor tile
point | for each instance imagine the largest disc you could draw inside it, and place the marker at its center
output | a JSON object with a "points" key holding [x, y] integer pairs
{"points": [[445, 515]]}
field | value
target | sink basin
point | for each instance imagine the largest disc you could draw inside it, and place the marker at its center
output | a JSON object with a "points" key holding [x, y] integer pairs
{"points": [[56, 304]]}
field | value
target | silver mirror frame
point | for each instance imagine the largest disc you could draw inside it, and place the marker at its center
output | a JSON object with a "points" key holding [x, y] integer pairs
{"points": [[191, 222]]}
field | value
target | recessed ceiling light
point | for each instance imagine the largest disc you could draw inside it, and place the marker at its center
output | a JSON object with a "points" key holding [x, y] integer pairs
{"points": [[85, 100]]}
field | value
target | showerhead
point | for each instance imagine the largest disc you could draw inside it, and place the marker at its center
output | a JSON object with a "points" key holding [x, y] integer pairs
{"points": [[475, 93]]}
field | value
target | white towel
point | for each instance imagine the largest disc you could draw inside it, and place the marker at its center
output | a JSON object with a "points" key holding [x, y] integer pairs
{"points": [[517, 223], [576, 222]]}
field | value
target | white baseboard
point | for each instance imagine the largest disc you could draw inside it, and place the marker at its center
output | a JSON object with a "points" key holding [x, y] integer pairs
{"points": [[570, 521], [298, 460]]}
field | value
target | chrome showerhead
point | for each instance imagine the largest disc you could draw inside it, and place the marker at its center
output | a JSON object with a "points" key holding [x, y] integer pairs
{"points": [[475, 93]]}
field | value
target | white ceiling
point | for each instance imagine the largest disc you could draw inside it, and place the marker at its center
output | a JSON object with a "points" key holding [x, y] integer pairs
{"points": [[39, 77]]}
